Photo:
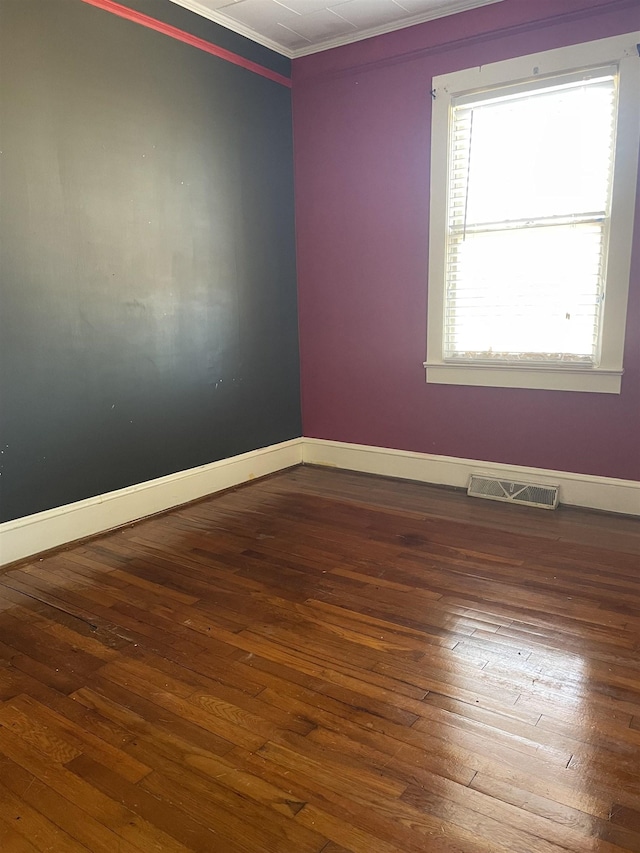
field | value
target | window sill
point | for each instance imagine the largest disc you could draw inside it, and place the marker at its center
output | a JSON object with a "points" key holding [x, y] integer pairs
{"points": [[594, 380]]}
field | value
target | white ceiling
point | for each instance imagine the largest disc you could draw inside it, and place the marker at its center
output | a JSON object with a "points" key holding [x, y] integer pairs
{"points": [[298, 27]]}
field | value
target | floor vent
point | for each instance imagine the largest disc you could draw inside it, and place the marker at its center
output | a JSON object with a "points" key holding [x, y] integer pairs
{"points": [[513, 491]]}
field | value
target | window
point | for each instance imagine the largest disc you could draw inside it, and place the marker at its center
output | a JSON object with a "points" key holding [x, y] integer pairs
{"points": [[533, 170]]}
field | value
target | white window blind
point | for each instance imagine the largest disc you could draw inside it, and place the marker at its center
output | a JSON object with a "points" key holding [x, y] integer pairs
{"points": [[528, 210]]}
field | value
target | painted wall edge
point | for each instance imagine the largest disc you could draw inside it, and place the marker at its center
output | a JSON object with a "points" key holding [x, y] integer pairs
{"points": [[190, 22]]}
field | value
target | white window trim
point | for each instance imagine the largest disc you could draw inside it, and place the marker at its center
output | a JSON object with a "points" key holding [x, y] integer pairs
{"points": [[607, 376]]}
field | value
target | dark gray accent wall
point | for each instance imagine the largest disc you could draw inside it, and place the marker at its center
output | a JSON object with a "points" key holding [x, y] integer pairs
{"points": [[177, 16], [148, 299]]}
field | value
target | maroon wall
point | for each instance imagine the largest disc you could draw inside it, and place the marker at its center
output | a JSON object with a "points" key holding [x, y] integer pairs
{"points": [[361, 128]]}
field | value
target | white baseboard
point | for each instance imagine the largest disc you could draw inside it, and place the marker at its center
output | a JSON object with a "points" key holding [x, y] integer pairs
{"points": [[45, 530], [584, 490], [49, 529]]}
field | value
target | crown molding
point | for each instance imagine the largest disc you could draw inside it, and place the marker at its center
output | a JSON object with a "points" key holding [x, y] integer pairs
{"points": [[453, 9], [234, 26], [393, 26]]}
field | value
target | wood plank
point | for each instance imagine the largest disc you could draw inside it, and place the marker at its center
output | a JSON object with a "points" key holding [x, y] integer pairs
{"points": [[326, 662]]}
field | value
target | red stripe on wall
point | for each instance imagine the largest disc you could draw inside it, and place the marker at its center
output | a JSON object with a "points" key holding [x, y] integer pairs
{"points": [[187, 38]]}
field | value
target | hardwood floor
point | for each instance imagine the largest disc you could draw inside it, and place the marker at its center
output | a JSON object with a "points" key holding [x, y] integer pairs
{"points": [[326, 661]]}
